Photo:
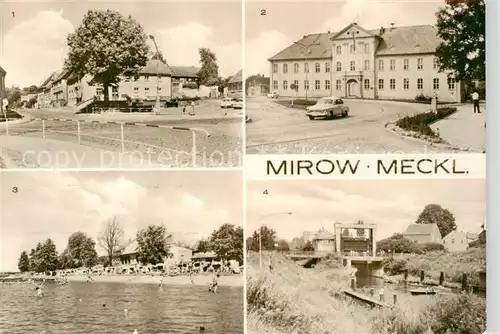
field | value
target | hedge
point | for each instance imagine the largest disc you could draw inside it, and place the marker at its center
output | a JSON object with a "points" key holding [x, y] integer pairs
{"points": [[420, 122]]}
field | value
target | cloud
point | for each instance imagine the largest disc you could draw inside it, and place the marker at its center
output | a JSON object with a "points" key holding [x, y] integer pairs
{"points": [[36, 47], [180, 46], [261, 48]]}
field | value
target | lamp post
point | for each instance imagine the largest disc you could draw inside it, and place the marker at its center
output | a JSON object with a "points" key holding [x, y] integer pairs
{"points": [[260, 231], [306, 51], [157, 111]]}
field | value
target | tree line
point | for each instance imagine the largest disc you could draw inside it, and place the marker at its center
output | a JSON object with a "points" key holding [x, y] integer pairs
{"points": [[153, 245]]}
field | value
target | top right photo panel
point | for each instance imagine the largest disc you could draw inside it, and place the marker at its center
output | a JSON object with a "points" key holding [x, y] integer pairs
{"points": [[361, 76]]}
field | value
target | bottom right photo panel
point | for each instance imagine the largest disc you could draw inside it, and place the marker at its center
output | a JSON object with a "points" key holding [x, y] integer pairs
{"points": [[366, 256]]}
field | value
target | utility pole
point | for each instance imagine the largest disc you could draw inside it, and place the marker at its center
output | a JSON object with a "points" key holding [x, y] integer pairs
{"points": [[306, 50], [157, 108]]}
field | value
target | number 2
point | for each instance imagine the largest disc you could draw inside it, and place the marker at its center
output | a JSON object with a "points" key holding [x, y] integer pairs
{"points": [[263, 12]]}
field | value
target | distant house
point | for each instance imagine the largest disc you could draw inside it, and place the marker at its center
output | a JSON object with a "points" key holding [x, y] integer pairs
{"points": [[324, 241], [128, 256], [455, 241], [2, 87], [59, 90], [257, 85], [44, 98], [423, 233], [309, 236], [235, 84], [205, 257], [182, 75]]}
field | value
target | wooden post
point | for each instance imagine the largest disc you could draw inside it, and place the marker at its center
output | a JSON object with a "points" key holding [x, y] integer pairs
{"points": [[464, 281], [422, 276], [406, 274], [395, 298], [441, 278]]}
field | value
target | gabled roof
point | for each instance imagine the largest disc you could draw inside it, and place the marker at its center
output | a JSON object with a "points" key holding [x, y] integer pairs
{"points": [[202, 255], [185, 71], [152, 69], [408, 40], [130, 249], [324, 235], [421, 229], [323, 49], [51, 78], [238, 77], [354, 24], [63, 75]]}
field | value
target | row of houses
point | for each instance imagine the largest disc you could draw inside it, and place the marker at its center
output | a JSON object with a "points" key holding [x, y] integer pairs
{"points": [[385, 63], [455, 241]]}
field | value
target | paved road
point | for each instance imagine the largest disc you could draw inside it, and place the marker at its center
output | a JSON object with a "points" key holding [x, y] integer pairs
{"points": [[276, 129], [163, 146]]}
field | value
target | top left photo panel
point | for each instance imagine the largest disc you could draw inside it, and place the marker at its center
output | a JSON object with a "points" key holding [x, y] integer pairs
{"points": [[121, 85]]}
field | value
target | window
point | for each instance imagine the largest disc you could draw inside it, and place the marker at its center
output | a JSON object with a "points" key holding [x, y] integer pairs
{"points": [[353, 65], [339, 49], [380, 65], [99, 91], [367, 65], [317, 85], [296, 83], [146, 90], [338, 85], [367, 83], [285, 84], [339, 66], [285, 68], [159, 89], [420, 64], [435, 83], [435, 64], [420, 83], [275, 68], [381, 84], [306, 84], [146, 77], [327, 67], [392, 84], [406, 83], [275, 85], [393, 64], [306, 68], [406, 64], [367, 48], [452, 241], [136, 90], [353, 48], [317, 67], [327, 84], [295, 68], [451, 83]]}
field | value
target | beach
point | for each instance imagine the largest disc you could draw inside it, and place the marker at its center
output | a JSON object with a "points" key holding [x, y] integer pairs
{"points": [[232, 281]]}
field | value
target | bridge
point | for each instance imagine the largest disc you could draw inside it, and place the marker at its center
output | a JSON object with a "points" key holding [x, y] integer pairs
{"points": [[346, 256]]}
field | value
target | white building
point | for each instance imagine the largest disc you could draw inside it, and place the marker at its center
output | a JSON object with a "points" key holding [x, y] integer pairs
{"points": [[387, 63], [456, 241]]}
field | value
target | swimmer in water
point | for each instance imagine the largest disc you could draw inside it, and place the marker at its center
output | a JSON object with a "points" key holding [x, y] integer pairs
{"points": [[39, 290]]}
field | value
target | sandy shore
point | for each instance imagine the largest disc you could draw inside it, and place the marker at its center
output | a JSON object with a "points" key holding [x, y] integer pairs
{"points": [[233, 280]]}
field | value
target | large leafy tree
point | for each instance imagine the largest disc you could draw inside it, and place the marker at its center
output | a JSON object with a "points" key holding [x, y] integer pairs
{"points": [[297, 243], [461, 26], [203, 245], [107, 46], [48, 256], [435, 214], [81, 250], [209, 72], [23, 263], [267, 238], [227, 242], [153, 244], [111, 238]]}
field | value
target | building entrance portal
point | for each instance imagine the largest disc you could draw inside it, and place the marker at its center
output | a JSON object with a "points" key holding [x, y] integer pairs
{"points": [[352, 88]]}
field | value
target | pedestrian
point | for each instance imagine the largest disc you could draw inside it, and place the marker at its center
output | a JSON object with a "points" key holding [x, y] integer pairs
{"points": [[192, 108], [434, 103], [475, 102]]}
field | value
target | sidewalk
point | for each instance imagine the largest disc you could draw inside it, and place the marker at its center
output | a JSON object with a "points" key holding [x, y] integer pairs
{"points": [[21, 152], [464, 128]]}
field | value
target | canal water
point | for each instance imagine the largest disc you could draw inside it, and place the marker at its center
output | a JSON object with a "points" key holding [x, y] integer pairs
{"points": [[119, 308]]}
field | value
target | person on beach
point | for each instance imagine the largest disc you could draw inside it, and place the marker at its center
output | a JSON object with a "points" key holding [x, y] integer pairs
{"points": [[161, 281], [89, 277], [190, 274], [215, 283], [192, 108]]}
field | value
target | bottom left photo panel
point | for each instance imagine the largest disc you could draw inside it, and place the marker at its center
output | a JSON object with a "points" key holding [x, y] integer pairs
{"points": [[121, 252]]}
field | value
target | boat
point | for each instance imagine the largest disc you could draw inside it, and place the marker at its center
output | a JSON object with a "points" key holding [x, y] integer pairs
{"points": [[416, 292]]}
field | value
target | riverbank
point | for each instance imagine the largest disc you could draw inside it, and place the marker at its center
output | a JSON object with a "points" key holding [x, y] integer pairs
{"points": [[233, 280]]}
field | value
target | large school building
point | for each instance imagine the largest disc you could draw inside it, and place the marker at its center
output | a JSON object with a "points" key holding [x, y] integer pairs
{"points": [[387, 63]]}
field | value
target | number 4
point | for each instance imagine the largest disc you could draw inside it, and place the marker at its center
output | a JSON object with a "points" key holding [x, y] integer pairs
{"points": [[265, 192]]}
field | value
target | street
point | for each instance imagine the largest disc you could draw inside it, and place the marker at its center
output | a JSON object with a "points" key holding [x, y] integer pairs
{"points": [[163, 146], [275, 129]]}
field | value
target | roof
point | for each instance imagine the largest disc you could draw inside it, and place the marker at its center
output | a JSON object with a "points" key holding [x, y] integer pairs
{"points": [[394, 41], [202, 255], [420, 229], [52, 77], [130, 249], [185, 71], [324, 235], [238, 77], [155, 66], [2, 70], [63, 75]]}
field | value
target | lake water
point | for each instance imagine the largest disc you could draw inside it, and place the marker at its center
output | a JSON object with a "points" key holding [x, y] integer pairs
{"points": [[151, 310]]}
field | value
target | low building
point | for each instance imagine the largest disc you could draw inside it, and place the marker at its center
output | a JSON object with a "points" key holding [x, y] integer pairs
{"points": [[423, 233], [44, 98], [324, 241], [455, 241], [183, 76], [59, 90], [356, 239], [177, 255], [235, 84], [3, 73], [257, 85]]}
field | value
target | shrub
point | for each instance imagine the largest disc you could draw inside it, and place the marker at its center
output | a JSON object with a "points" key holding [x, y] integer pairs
{"points": [[420, 122], [432, 247], [190, 85], [304, 102], [393, 266], [422, 97]]}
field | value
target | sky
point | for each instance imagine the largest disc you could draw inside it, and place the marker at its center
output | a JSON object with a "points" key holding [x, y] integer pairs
{"points": [[56, 204], [33, 34], [287, 21], [390, 204]]}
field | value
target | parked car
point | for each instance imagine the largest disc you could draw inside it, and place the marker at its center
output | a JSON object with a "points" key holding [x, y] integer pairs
{"points": [[226, 103], [273, 95], [238, 104], [328, 107]]}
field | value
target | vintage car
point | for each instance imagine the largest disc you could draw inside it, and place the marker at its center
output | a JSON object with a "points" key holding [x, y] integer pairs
{"points": [[238, 103], [226, 103], [327, 107], [273, 95]]}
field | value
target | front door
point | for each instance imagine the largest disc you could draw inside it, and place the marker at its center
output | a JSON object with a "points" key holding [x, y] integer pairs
{"points": [[352, 88]]}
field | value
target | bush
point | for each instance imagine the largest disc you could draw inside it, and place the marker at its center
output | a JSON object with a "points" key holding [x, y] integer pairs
{"points": [[423, 98], [190, 85], [304, 102], [394, 267], [432, 247], [420, 122]]}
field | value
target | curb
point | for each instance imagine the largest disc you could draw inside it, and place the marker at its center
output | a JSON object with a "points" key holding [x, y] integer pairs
{"points": [[429, 143]]}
